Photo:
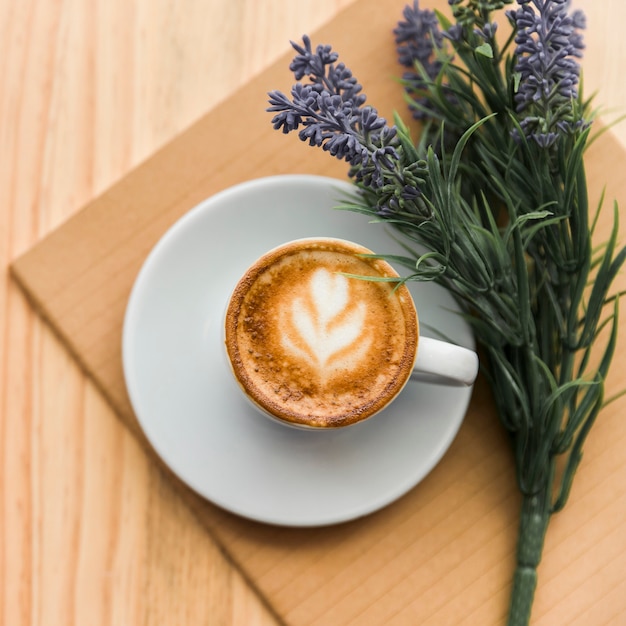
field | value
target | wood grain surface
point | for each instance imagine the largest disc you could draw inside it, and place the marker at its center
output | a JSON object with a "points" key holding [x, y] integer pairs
{"points": [[90, 533]]}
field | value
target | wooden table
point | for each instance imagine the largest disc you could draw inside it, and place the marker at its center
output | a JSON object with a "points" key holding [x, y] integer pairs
{"points": [[90, 533]]}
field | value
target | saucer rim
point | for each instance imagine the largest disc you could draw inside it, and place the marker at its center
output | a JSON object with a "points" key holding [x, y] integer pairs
{"points": [[175, 231]]}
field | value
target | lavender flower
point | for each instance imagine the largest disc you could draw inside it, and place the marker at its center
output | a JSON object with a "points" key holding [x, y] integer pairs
{"points": [[548, 44], [473, 12], [330, 113], [316, 65], [418, 37], [487, 32], [506, 229]]}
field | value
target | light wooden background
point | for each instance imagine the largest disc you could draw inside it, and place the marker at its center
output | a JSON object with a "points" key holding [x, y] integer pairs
{"points": [[89, 532]]}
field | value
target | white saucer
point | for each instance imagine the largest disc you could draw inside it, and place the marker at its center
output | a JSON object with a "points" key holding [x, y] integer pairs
{"points": [[192, 411]]}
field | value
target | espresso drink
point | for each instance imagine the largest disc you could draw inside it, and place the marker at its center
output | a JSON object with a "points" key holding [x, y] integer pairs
{"points": [[312, 344]]}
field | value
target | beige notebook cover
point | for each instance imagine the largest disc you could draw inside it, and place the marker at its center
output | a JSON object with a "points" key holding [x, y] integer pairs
{"points": [[443, 554]]}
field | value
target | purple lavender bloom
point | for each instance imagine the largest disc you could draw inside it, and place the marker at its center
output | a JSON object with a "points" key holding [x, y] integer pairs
{"points": [[329, 112], [454, 33], [548, 44], [417, 38], [488, 31], [470, 13], [309, 63]]}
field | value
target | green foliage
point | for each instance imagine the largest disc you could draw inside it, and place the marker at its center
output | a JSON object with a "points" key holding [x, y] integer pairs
{"points": [[491, 202], [505, 223]]}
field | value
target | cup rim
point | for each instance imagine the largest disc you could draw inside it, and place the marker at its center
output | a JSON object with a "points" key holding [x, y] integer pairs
{"points": [[277, 410]]}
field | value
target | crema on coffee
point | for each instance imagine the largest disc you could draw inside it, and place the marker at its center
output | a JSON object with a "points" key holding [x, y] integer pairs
{"points": [[314, 344]]}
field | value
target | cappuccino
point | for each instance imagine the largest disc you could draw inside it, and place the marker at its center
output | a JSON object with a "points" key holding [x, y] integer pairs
{"points": [[313, 344]]}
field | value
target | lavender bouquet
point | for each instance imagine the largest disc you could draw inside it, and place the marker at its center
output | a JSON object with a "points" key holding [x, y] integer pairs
{"points": [[490, 201]]}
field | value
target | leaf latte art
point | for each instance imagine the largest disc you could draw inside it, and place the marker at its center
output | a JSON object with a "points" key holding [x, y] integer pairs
{"points": [[326, 325], [313, 346]]}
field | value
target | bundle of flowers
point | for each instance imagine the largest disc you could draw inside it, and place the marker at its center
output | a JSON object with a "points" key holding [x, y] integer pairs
{"points": [[490, 201]]}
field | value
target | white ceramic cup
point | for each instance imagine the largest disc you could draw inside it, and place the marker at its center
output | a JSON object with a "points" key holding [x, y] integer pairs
{"points": [[420, 358]]}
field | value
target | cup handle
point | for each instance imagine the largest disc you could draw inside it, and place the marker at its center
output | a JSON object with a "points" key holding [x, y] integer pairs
{"points": [[444, 363]]}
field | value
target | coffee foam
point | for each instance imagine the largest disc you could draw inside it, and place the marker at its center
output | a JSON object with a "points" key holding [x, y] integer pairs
{"points": [[324, 323], [314, 346]]}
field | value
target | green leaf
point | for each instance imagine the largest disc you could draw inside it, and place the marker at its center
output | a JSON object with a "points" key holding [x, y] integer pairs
{"points": [[606, 273], [404, 136], [485, 50], [458, 151], [443, 20]]}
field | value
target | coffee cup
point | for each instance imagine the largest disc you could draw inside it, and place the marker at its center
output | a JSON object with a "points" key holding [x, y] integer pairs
{"points": [[319, 333]]}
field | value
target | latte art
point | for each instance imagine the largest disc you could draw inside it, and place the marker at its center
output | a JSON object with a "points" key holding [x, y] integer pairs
{"points": [[326, 327], [314, 346]]}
